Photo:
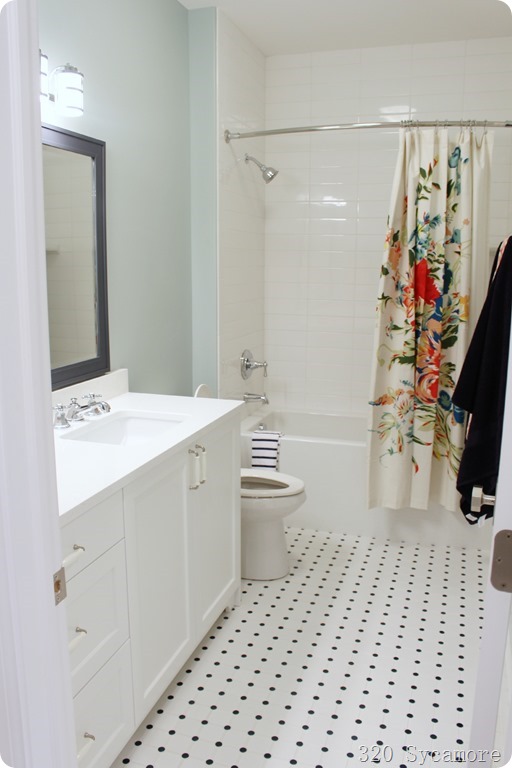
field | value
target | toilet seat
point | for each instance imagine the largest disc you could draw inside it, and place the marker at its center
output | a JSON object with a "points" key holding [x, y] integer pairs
{"points": [[268, 484]]}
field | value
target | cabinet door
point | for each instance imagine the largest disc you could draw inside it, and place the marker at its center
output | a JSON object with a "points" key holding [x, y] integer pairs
{"points": [[158, 585], [215, 526]]}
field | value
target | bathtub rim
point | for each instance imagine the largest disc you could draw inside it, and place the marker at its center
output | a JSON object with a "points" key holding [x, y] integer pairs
{"points": [[250, 423]]}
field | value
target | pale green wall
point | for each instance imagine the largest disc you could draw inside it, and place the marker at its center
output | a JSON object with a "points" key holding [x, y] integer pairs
{"points": [[135, 59], [203, 133]]}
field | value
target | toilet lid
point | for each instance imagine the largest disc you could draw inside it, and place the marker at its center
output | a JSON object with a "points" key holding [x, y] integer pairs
{"points": [[268, 484]]}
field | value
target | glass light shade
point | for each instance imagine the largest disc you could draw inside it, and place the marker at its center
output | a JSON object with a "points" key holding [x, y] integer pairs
{"points": [[508, 2], [43, 76], [68, 86]]}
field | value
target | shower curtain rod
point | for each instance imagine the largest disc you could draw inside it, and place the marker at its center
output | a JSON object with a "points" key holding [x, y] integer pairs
{"points": [[230, 135]]}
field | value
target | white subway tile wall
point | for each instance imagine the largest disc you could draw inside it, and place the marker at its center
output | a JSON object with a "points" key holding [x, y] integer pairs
{"points": [[326, 212], [241, 89], [300, 257]]}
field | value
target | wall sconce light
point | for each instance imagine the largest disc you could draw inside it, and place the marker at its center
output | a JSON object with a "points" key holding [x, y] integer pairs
{"points": [[43, 66], [64, 86], [508, 2]]}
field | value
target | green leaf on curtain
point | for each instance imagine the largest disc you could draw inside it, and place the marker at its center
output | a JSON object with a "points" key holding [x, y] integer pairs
{"points": [[446, 380], [449, 341], [417, 440], [405, 359]]}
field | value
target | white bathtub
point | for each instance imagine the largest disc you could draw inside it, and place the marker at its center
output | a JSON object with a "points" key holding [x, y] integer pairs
{"points": [[328, 452]]}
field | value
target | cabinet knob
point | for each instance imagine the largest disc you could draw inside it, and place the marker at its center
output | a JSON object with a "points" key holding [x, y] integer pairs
{"points": [[87, 746], [77, 553], [80, 634]]}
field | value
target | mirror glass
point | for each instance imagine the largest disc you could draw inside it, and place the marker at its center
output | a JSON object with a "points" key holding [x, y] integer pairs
{"points": [[74, 199]]}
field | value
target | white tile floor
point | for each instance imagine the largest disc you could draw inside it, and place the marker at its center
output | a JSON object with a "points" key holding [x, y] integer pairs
{"points": [[365, 649]]}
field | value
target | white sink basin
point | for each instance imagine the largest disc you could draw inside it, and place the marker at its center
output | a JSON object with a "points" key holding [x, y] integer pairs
{"points": [[125, 428]]}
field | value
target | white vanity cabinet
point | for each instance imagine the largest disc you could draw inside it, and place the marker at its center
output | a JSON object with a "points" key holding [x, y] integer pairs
{"points": [[149, 568], [182, 521]]}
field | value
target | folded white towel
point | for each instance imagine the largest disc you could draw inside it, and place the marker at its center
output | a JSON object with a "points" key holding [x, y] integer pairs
{"points": [[265, 449]]}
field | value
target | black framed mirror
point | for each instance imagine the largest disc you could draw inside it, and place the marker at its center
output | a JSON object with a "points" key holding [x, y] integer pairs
{"points": [[76, 255]]}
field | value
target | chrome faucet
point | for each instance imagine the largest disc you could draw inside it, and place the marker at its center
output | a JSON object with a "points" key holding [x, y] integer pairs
{"points": [[249, 397], [65, 414], [93, 407], [74, 411]]}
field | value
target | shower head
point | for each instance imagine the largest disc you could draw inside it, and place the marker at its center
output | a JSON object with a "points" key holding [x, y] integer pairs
{"points": [[267, 172]]}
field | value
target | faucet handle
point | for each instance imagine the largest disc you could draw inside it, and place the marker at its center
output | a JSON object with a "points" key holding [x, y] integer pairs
{"points": [[91, 398], [59, 418], [248, 364]]}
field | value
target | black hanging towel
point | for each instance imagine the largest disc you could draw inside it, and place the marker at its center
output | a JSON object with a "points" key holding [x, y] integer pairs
{"points": [[481, 387]]}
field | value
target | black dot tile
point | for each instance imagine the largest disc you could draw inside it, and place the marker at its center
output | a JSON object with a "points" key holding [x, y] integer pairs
{"points": [[365, 645]]}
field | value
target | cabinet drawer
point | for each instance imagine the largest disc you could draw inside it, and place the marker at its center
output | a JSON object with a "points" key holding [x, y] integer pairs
{"points": [[104, 710], [88, 536], [97, 614]]}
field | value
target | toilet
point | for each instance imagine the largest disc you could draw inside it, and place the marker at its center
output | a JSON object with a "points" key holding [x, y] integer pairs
{"points": [[267, 497]]}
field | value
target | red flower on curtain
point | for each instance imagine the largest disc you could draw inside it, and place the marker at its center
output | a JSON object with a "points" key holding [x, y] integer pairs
{"points": [[425, 287]]}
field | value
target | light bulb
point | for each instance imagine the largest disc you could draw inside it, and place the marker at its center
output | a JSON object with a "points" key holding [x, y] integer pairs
{"points": [[43, 76], [68, 86]]}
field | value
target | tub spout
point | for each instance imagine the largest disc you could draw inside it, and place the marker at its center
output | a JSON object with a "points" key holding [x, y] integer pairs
{"points": [[249, 397]]}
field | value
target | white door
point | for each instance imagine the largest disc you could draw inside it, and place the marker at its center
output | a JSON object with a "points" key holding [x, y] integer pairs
{"points": [[36, 719], [492, 713]]}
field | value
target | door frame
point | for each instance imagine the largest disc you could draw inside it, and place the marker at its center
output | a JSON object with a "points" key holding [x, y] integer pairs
{"points": [[36, 712], [497, 605]]}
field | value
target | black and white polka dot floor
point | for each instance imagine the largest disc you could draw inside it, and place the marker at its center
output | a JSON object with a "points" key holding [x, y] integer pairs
{"points": [[364, 654]]}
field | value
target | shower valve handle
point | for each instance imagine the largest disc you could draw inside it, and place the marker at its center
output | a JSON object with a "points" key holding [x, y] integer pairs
{"points": [[248, 364]]}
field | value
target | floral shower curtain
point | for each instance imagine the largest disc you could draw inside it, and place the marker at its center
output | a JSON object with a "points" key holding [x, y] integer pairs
{"points": [[435, 262]]}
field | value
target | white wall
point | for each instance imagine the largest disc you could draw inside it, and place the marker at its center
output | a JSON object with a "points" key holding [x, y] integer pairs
{"points": [[135, 60], [241, 97], [202, 29], [326, 211]]}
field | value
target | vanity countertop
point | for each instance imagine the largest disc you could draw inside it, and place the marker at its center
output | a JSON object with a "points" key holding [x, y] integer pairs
{"points": [[94, 470]]}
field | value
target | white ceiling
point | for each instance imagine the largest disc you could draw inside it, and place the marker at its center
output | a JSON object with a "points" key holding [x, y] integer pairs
{"points": [[300, 26]]}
